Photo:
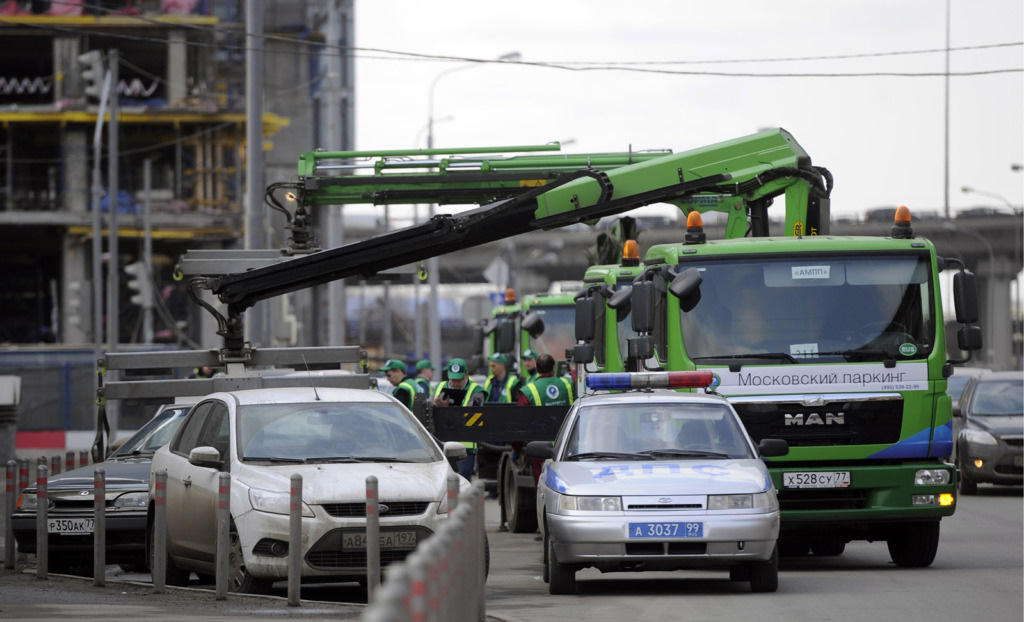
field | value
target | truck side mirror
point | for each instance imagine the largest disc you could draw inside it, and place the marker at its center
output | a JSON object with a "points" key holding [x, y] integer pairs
{"points": [[643, 307], [965, 297], [621, 302], [533, 324], [686, 287], [585, 319], [506, 337], [968, 338]]}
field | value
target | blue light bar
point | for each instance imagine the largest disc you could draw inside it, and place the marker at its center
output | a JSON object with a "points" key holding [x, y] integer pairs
{"points": [[650, 380]]}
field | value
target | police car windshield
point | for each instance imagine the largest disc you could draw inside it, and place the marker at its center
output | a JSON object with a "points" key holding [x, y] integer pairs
{"points": [[657, 430]]}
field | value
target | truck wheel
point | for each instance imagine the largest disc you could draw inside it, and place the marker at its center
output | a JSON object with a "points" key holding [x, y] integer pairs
{"points": [[520, 508], [764, 577], [561, 578], [792, 547], [913, 545]]}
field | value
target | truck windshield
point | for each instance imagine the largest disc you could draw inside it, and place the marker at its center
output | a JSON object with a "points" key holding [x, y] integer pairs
{"points": [[809, 309], [559, 330]]}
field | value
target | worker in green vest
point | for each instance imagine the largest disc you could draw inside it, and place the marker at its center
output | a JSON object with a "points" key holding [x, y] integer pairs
{"points": [[529, 365], [459, 385], [405, 388], [547, 389], [425, 375], [501, 386]]}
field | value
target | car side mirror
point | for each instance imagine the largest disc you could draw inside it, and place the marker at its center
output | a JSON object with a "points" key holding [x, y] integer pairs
{"points": [[205, 456], [541, 450], [773, 447], [454, 450]]}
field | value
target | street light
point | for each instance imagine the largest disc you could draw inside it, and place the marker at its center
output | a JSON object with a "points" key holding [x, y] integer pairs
{"points": [[969, 190], [432, 263]]}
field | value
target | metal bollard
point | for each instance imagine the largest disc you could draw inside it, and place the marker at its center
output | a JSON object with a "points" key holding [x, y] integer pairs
{"points": [[83, 458], [69, 461], [372, 538], [42, 531], [295, 543], [10, 501], [55, 463], [479, 537], [99, 532], [444, 577], [453, 492], [417, 588], [223, 534], [433, 555], [159, 561], [23, 474]]}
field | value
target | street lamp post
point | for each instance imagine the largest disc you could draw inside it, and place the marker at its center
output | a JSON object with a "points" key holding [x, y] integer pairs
{"points": [[969, 190], [434, 329]]}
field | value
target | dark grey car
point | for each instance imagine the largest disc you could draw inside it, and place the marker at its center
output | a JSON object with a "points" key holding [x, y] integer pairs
{"points": [[70, 513], [990, 443]]}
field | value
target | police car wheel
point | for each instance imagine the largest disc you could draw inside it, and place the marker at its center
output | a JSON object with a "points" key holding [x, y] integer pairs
{"points": [[561, 578], [764, 577]]}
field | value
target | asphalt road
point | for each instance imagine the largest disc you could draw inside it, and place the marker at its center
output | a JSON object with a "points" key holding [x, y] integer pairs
{"points": [[978, 574]]}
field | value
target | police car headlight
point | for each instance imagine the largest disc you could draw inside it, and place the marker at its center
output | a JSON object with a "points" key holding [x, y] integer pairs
{"points": [[928, 477], [590, 504], [758, 501], [274, 502], [132, 500]]}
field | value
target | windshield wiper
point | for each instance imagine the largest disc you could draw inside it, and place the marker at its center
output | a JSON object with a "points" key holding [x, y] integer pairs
{"points": [[333, 459], [607, 455], [273, 459], [684, 452], [785, 356]]}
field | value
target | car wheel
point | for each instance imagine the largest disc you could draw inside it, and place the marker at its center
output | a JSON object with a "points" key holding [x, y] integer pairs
{"points": [[913, 545], [520, 513], [965, 486], [239, 579], [173, 575], [544, 573], [561, 578], [487, 557], [764, 577], [828, 547]]}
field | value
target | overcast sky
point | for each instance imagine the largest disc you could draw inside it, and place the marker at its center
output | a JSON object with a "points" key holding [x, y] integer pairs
{"points": [[882, 137]]}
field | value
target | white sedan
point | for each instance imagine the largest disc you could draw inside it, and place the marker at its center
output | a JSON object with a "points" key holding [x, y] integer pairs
{"points": [[334, 439], [656, 480]]}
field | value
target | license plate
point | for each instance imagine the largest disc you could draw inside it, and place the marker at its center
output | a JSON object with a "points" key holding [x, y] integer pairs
{"points": [[816, 479], [70, 526], [666, 530], [388, 540]]}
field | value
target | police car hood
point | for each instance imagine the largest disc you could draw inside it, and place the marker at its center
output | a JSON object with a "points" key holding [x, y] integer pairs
{"points": [[658, 477]]}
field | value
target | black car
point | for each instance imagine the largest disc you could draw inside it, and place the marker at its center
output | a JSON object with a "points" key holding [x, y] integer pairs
{"points": [[70, 512], [990, 443]]}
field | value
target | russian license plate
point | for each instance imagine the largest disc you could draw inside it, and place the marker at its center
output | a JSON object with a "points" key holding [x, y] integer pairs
{"points": [[816, 479], [388, 540], [666, 530], [70, 526]]}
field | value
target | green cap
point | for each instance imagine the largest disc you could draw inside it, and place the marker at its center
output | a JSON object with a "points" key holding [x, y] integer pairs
{"points": [[424, 364], [498, 357], [393, 364], [456, 369], [529, 354]]}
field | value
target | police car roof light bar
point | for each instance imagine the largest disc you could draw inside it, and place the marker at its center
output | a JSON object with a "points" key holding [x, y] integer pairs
{"points": [[651, 380]]}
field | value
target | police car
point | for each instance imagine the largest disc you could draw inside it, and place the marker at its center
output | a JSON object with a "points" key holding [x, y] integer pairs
{"points": [[645, 479]]}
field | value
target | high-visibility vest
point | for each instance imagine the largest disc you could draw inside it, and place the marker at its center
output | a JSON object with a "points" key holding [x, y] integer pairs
{"points": [[411, 387], [506, 392], [550, 391], [470, 388]]}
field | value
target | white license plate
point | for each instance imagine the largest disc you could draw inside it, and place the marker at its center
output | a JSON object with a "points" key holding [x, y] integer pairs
{"points": [[388, 540], [666, 530], [70, 526], [816, 479]]}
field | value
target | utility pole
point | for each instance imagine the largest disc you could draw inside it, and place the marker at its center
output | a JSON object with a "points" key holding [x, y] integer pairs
{"points": [[254, 182]]}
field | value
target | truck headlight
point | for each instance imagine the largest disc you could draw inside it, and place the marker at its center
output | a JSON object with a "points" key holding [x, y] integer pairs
{"points": [[132, 500], [274, 502], [590, 504], [980, 437], [760, 501], [930, 477]]}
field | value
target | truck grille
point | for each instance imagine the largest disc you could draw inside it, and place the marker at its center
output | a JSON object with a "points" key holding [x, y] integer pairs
{"points": [[830, 423], [823, 499], [394, 508]]}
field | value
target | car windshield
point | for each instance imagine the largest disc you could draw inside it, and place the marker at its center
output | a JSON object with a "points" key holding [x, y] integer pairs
{"points": [[155, 434], [803, 310], [998, 397], [656, 430], [332, 431]]}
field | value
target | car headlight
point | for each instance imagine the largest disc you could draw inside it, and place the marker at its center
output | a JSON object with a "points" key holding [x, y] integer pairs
{"points": [[980, 437], [757, 501], [132, 500], [27, 502], [928, 477], [274, 502], [590, 504]]}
